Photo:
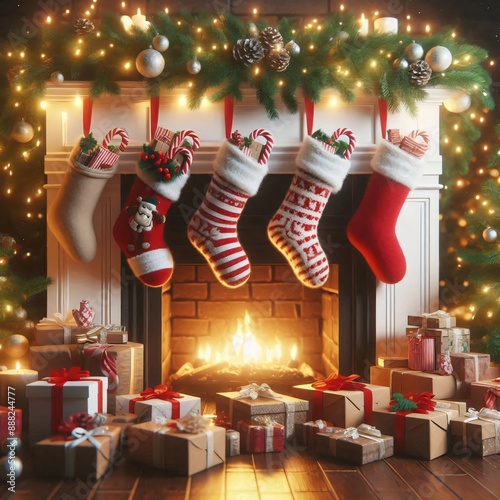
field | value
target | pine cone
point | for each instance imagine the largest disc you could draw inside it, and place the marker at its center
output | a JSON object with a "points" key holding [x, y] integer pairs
{"points": [[270, 37], [278, 60], [83, 26], [248, 51], [420, 73]]}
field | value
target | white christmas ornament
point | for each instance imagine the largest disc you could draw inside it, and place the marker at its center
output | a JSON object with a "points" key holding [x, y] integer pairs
{"points": [[460, 101], [150, 63], [414, 52], [193, 66], [57, 77], [160, 43], [439, 58], [490, 235]]}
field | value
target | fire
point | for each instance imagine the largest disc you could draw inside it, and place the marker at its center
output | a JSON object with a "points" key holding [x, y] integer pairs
{"points": [[246, 347]]}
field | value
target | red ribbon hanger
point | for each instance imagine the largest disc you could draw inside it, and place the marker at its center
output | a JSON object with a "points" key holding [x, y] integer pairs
{"points": [[87, 115], [154, 113]]}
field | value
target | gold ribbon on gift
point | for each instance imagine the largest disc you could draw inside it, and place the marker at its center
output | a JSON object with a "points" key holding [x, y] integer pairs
{"points": [[66, 323], [269, 424], [96, 335], [253, 391], [487, 415], [80, 435], [437, 314]]}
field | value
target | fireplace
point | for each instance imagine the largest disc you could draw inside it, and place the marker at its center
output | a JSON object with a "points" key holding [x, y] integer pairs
{"points": [[372, 315]]}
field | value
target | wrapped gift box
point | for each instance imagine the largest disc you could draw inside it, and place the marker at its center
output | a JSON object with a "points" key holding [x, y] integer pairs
{"points": [[46, 358], [485, 393], [154, 409], [478, 436], [129, 359], [12, 426], [392, 361], [421, 351], [232, 443], [423, 436], [353, 446], [470, 367], [286, 410], [54, 334], [85, 395], [343, 408], [439, 319], [123, 422], [442, 386], [55, 457], [178, 452], [380, 375], [256, 437], [305, 432], [459, 406]]}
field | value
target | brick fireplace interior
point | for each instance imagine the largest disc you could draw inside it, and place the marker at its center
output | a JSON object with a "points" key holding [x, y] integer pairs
{"points": [[332, 328]]}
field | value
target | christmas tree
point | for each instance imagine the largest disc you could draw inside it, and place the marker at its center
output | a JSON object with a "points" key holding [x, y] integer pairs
{"points": [[14, 292]]}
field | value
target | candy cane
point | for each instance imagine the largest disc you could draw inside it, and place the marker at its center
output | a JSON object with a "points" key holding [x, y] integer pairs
{"points": [[179, 139], [188, 157], [352, 140], [414, 147], [116, 131], [420, 133], [266, 151]]}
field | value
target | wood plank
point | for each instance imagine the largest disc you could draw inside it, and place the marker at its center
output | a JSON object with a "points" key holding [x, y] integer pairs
{"points": [[484, 471], [313, 495], [112, 495], [328, 463], [298, 462], [443, 466], [241, 495], [385, 481], [276, 496], [268, 461], [72, 488], [209, 482], [420, 479], [26, 487], [467, 487], [123, 476], [239, 462], [154, 483], [307, 482], [241, 481], [272, 482], [349, 485]]}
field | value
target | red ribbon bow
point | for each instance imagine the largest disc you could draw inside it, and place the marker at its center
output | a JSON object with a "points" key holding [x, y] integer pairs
{"points": [[61, 375], [159, 392], [336, 382], [490, 397]]}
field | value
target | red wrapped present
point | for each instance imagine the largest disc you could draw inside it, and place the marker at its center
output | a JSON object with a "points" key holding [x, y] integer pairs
{"points": [[486, 393], [261, 435], [421, 352]]}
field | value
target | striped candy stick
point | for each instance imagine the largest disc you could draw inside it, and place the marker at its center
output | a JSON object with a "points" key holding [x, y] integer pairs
{"points": [[179, 139], [352, 140], [413, 146], [121, 132], [268, 147], [187, 153]]}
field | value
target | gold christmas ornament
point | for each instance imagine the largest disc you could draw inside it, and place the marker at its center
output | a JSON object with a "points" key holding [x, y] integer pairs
{"points": [[439, 58], [150, 63], [459, 102], [193, 66], [414, 52], [400, 63], [278, 60], [160, 43], [83, 26], [270, 38], [15, 346], [22, 132], [249, 51], [420, 73]]}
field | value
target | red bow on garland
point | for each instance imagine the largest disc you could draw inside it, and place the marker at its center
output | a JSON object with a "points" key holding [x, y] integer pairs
{"points": [[412, 402], [161, 391], [336, 382]]}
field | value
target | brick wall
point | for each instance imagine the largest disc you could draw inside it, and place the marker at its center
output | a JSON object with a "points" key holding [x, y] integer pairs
{"points": [[202, 311], [330, 322]]}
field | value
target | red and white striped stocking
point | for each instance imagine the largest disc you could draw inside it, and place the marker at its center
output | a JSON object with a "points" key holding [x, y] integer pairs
{"points": [[213, 228], [294, 228]]}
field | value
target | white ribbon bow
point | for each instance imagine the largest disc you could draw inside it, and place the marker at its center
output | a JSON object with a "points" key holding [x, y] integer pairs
{"points": [[437, 314], [192, 423], [80, 434], [253, 391]]}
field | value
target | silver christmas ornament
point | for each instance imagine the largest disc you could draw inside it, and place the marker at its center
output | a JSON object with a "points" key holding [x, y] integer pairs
{"points": [[15, 346], [253, 30], [193, 66], [459, 102], [439, 58], [490, 235], [293, 47], [341, 36], [150, 63], [400, 63], [10, 465], [22, 132], [414, 52], [160, 43], [57, 77]]}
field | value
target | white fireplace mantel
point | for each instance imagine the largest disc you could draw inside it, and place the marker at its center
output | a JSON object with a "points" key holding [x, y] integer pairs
{"points": [[100, 281]]}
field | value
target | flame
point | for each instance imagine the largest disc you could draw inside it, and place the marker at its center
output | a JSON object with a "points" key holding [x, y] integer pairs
{"points": [[293, 352], [18, 366]]}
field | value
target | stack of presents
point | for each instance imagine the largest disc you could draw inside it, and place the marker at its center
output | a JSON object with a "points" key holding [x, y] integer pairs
{"points": [[90, 408]]}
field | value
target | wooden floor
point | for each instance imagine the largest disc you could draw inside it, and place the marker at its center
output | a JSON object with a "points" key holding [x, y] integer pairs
{"points": [[293, 474]]}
